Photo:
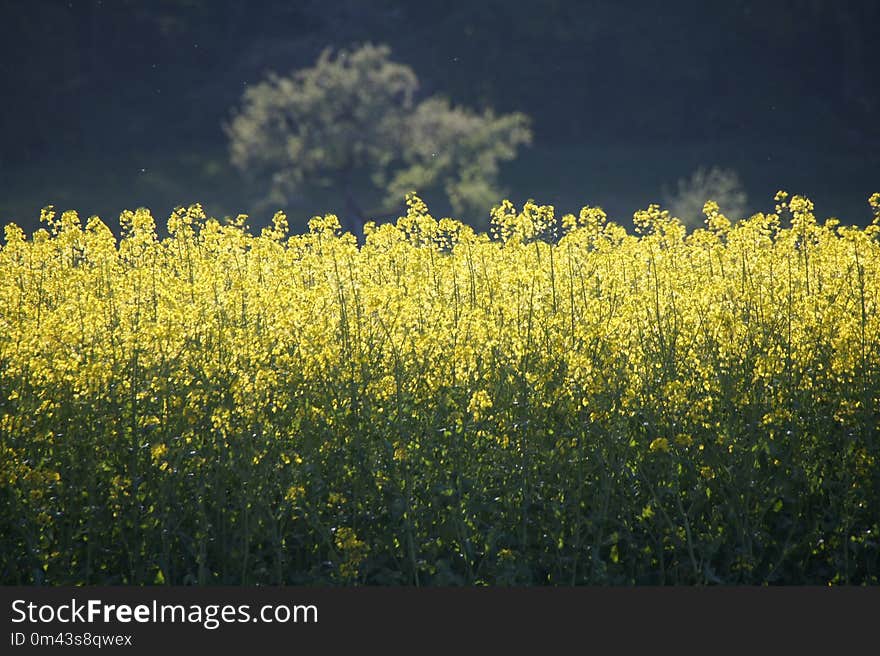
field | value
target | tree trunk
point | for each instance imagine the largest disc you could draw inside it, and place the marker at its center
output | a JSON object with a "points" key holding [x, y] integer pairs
{"points": [[354, 218]]}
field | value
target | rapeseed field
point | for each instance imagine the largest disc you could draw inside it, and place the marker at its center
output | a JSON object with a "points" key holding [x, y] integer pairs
{"points": [[560, 401]]}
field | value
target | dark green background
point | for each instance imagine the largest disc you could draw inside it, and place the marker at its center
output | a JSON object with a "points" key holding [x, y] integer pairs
{"points": [[119, 103]]}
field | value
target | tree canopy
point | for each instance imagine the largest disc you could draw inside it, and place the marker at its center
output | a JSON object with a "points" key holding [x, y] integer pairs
{"points": [[352, 123]]}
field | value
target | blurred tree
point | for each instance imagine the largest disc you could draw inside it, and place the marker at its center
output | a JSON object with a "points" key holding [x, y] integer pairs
{"points": [[718, 184], [351, 123]]}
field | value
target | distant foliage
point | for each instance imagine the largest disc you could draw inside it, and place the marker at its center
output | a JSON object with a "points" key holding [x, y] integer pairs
{"points": [[352, 123], [558, 402], [713, 184]]}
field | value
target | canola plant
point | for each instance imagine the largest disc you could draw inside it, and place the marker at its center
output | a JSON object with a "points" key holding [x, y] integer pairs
{"points": [[557, 402]]}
